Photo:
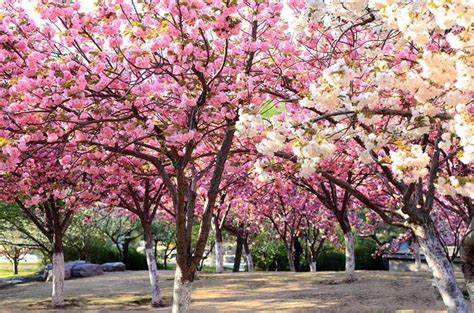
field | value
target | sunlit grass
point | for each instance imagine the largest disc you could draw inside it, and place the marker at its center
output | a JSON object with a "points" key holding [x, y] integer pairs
{"points": [[24, 268]]}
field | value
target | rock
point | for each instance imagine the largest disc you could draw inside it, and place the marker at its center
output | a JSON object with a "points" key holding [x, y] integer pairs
{"points": [[4, 283], [114, 267], [44, 271], [86, 270], [67, 269], [27, 279]]}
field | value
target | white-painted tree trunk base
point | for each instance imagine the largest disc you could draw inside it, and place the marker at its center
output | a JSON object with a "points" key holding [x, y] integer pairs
{"points": [[416, 254], [441, 268], [219, 251], [312, 267], [57, 296], [350, 257], [181, 293], [249, 259], [154, 278]]}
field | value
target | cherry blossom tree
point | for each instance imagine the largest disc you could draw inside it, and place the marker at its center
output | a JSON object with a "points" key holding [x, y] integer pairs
{"points": [[232, 214], [290, 210], [126, 186], [338, 201], [314, 242], [332, 201], [166, 85], [391, 81], [47, 193], [235, 177], [150, 80]]}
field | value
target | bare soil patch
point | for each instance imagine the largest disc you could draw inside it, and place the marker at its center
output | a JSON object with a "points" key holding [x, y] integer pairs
{"points": [[238, 292]]}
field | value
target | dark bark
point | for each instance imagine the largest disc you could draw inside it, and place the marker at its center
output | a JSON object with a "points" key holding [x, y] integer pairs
{"points": [[155, 248], [238, 254], [15, 266], [165, 258], [186, 259], [125, 252], [147, 235], [218, 234], [297, 254]]}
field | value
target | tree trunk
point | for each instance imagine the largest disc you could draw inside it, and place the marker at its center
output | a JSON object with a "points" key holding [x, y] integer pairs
{"points": [[152, 269], [312, 259], [417, 256], [238, 254], [350, 257], [248, 257], [57, 298], [442, 269], [155, 248], [119, 250], [298, 252], [219, 252], [15, 266], [181, 292], [291, 259], [467, 257], [125, 250]]}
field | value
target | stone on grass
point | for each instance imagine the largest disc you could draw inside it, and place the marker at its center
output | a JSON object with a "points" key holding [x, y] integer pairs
{"points": [[86, 270], [114, 267]]}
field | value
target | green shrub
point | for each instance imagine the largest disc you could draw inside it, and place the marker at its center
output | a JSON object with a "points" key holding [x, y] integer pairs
{"points": [[331, 260], [136, 261], [95, 252], [103, 253], [269, 254], [364, 248]]}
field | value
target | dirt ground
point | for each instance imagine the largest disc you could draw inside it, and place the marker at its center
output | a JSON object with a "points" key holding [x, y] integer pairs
{"points": [[238, 292]]}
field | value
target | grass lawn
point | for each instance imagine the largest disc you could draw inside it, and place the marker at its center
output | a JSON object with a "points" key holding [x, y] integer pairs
{"points": [[238, 292], [24, 268]]}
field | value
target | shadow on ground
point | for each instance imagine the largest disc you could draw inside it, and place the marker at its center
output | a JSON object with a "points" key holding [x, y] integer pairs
{"points": [[237, 292]]}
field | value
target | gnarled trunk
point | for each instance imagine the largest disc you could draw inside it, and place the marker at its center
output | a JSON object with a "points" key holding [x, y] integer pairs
{"points": [[181, 292], [312, 266], [442, 269], [57, 297], [350, 256], [467, 257], [417, 256], [219, 252]]}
